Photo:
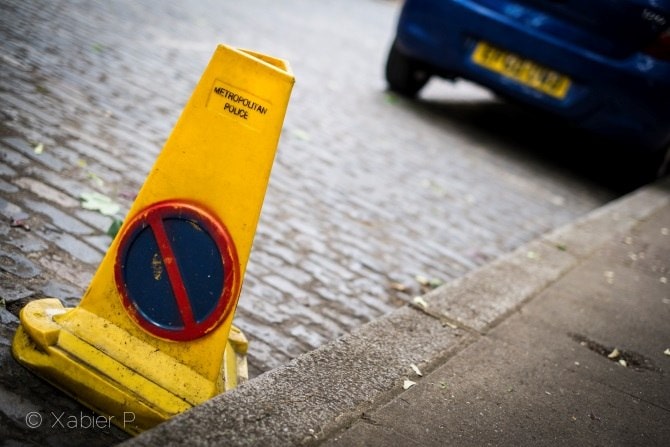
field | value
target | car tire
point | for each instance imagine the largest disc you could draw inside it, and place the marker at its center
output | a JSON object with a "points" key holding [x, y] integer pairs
{"points": [[663, 162], [647, 168], [405, 75], [656, 163]]}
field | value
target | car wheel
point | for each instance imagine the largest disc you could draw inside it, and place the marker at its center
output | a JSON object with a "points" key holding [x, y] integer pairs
{"points": [[405, 75], [663, 166], [649, 167]]}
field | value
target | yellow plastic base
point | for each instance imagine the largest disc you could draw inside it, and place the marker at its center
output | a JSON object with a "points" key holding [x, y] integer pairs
{"points": [[104, 367]]}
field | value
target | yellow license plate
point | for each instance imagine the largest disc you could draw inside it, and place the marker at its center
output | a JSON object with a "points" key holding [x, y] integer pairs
{"points": [[521, 70]]}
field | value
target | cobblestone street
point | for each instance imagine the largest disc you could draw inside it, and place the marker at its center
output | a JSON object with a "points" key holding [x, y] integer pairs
{"points": [[372, 197]]}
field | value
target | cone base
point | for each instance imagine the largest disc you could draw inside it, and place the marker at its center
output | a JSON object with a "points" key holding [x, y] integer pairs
{"points": [[113, 373]]}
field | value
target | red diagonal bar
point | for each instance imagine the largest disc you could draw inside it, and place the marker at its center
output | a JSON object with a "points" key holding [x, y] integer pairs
{"points": [[174, 275]]}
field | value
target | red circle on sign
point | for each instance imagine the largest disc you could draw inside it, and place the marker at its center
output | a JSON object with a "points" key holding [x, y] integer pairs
{"points": [[153, 219]]}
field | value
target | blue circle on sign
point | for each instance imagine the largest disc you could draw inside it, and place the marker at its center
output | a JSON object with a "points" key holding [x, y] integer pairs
{"points": [[176, 271], [150, 285]]}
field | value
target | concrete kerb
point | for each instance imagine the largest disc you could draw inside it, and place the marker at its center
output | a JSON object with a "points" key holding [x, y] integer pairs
{"points": [[484, 297], [319, 393]]}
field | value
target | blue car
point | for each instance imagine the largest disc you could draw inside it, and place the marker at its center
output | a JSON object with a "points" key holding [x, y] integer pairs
{"points": [[604, 65]]}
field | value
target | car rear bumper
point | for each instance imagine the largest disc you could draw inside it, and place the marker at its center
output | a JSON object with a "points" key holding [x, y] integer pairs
{"points": [[627, 98]]}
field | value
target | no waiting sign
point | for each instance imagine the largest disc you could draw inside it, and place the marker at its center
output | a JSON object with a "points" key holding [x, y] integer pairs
{"points": [[177, 270]]}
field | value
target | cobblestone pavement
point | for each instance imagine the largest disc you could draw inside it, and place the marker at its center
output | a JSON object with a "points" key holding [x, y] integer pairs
{"points": [[369, 192]]}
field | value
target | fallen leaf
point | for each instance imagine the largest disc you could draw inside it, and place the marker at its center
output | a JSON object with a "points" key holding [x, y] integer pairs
{"points": [[114, 227], [301, 134], [419, 301], [623, 363], [434, 283], [39, 149], [19, 223], [421, 280], [428, 282], [416, 370], [95, 179], [667, 352], [391, 98], [99, 202], [407, 384], [614, 354]]}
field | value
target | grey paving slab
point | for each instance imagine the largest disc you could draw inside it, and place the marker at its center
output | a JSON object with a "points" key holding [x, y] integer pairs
{"points": [[547, 375]]}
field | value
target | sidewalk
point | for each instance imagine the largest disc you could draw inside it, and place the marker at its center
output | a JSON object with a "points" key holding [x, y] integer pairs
{"points": [[563, 342]]}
